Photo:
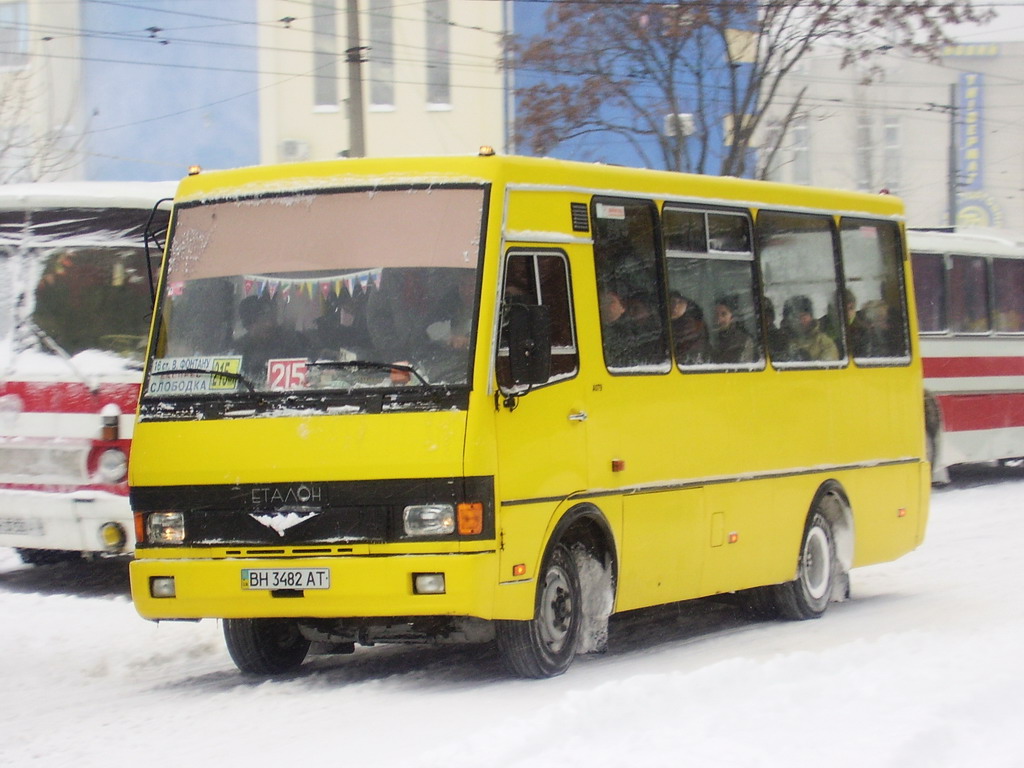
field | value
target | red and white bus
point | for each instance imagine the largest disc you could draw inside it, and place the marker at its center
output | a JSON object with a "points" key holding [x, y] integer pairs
{"points": [[970, 303], [75, 308]]}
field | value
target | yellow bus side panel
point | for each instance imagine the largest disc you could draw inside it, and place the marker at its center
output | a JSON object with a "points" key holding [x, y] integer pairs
{"points": [[664, 541], [889, 512], [757, 532]]}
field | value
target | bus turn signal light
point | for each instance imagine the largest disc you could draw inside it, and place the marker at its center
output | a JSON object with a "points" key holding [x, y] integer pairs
{"points": [[471, 518]]}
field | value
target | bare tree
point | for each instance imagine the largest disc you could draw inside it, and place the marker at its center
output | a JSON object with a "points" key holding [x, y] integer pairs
{"points": [[688, 84], [35, 145]]}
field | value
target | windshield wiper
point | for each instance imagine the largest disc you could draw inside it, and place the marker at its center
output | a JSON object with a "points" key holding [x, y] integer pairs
{"points": [[226, 374], [373, 365]]}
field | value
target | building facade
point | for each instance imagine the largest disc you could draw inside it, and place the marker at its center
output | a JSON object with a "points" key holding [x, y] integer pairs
{"points": [[946, 135], [112, 91]]}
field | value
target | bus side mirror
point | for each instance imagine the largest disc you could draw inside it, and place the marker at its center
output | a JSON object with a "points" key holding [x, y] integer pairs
{"points": [[529, 343]]}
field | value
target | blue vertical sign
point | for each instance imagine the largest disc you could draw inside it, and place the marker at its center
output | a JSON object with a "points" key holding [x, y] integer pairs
{"points": [[970, 146]]}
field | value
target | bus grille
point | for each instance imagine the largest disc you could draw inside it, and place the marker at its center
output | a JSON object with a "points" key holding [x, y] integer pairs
{"points": [[43, 463]]}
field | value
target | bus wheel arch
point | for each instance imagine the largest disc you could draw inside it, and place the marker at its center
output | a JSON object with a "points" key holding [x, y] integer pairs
{"points": [[824, 559], [575, 596]]}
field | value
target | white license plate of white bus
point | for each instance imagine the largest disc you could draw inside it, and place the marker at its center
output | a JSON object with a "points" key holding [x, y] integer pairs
{"points": [[21, 526], [286, 578]]}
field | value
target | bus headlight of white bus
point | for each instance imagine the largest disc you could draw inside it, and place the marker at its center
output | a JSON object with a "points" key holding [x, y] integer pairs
{"points": [[112, 466], [165, 527], [429, 519]]}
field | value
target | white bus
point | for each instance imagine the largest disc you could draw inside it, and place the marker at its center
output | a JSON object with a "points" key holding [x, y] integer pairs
{"points": [[75, 306], [970, 302]]}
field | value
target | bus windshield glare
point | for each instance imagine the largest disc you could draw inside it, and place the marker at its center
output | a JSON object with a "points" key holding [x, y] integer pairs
{"points": [[320, 291]]}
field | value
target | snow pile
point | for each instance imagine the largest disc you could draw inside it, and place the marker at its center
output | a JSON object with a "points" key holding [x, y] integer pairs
{"points": [[921, 668]]}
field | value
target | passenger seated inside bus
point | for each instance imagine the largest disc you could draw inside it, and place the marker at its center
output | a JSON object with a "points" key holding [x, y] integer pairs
{"points": [[732, 342], [775, 335], [879, 334], [805, 340], [645, 325], [689, 331], [265, 339], [423, 317], [341, 330], [833, 327], [631, 330], [614, 329]]}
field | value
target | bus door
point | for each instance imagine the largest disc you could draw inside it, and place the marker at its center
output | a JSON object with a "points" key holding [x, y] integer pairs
{"points": [[541, 426]]}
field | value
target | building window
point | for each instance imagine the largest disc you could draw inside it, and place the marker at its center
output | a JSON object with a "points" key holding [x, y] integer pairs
{"points": [[325, 55], [382, 54], [13, 35], [438, 54], [768, 152], [800, 152], [891, 154], [863, 150]]}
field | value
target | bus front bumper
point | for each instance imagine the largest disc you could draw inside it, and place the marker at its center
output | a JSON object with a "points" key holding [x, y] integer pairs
{"points": [[339, 587]]}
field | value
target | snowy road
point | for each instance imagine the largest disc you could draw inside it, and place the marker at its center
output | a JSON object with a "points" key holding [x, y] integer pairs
{"points": [[921, 668]]}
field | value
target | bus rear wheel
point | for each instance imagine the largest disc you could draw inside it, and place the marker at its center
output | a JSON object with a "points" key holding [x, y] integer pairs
{"points": [[265, 646], [808, 595], [546, 645]]}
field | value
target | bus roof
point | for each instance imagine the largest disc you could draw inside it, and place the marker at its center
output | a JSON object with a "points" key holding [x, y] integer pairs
{"points": [[84, 194], [541, 173], [980, 241]]}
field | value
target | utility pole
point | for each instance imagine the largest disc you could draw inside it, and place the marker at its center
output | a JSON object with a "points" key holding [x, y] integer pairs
{"points": [[354, 57], [952, 169]]}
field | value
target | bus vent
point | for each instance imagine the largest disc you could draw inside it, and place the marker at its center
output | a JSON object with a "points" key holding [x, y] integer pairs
{"points": [[580, 217]]}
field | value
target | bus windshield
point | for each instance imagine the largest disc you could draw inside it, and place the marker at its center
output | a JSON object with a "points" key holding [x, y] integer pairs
{"points": [[320, 291], [74, 287]]}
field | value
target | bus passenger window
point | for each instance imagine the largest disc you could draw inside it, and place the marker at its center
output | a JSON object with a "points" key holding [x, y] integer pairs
{"points": [[798, 262], [876, 327], [930, 291], [968, 295], [1008, 279], [713, 316], [540, 278], [630, 286]]}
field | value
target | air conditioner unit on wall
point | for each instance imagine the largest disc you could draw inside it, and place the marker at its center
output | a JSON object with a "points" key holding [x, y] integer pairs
{"points": [[679, 124], [293, 149]]}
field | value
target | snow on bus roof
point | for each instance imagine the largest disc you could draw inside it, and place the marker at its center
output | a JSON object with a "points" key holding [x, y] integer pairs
{"points": [[85, 194], [968, 241]]}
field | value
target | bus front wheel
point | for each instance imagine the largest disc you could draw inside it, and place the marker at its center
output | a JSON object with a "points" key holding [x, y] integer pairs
{"points": [[265, 646], [546, 645], [808, 595]]}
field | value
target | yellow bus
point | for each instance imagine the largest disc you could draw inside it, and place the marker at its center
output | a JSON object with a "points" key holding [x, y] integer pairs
{"points": [[499, 399]]}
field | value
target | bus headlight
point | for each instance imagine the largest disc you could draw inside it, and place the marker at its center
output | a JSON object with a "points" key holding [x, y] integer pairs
{"points": [[162, 586], [112, 466], [113, 537], [429, 519], [165, 527]]}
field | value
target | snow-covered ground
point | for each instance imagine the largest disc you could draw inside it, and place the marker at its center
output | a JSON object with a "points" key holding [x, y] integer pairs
{"points": [[922, 668]]}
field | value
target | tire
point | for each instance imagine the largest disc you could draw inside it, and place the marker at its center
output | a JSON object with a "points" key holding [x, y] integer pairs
{"points": [[265, 646], [47, 556], [546, 645], [808, 595]]}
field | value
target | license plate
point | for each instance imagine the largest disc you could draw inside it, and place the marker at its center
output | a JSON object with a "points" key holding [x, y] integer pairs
{"points": [[21, 526], [286, 578]]}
